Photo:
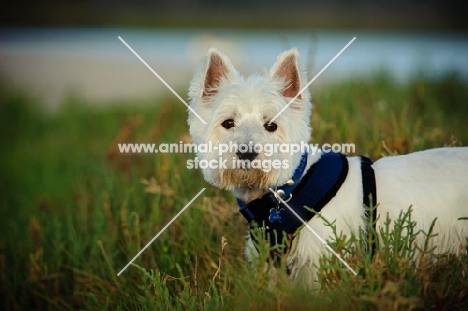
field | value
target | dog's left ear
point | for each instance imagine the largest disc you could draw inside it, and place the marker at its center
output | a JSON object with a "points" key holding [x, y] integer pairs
{"points": [[287, 68]]}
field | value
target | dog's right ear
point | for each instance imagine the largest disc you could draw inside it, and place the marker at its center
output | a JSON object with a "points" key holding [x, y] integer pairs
{"points": [[217, 66], [214, 69]]}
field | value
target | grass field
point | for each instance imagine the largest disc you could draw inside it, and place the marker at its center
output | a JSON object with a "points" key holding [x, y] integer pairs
{"points": [[74, 210]]}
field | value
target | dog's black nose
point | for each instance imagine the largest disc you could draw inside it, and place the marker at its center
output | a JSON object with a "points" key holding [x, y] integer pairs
{"points": [[246, 155]]}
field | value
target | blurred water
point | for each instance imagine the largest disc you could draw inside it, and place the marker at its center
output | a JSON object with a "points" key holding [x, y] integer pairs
{"points": [[95, 64]]}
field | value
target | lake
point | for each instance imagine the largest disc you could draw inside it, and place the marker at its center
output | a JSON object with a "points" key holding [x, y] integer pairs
{"points": [[93, 63]]}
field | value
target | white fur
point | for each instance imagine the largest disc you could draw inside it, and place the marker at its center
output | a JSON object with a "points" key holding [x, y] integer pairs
{"points": [[433, 182], [250, 102]]}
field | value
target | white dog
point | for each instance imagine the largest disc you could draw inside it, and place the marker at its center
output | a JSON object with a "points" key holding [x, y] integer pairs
{"points": [[239, 111]]}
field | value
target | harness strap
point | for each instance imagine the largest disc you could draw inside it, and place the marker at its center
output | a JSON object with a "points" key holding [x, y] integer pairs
{"points": [[318, 186], [369, 190]]}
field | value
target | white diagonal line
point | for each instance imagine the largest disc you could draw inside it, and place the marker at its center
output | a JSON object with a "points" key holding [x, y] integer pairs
{"points": [[162, 80], [314, 233], [310, 82], [160, 232]]}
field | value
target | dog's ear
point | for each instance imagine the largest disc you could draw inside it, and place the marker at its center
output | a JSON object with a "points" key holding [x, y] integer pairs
{"points": [[287, 68], [217, 67]]}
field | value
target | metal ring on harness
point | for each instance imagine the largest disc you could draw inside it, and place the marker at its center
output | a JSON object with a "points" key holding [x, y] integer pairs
{"points": [[289, 198], [278, 195]]}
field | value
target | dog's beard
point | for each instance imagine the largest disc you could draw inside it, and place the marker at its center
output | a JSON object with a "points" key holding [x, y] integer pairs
{"points": [[252, 178]]}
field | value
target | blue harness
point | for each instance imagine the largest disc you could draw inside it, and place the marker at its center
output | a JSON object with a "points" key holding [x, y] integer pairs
{"points": [[319, 185]]}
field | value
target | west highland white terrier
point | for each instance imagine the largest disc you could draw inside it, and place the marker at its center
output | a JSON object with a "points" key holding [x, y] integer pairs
{"points": [[239, 112]]}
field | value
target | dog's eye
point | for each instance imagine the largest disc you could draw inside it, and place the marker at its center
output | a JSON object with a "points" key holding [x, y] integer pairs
{"points": [[270, 127], [227, 124]]}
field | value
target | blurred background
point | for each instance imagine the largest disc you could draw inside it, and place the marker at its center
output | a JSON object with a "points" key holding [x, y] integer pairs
{"points": [[56, 48]]}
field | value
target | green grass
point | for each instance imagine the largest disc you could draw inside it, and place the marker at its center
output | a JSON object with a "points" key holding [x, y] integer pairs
{"points": [[74, 211]]}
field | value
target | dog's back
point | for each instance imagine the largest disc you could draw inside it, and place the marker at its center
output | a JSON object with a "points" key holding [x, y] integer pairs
{"points": [[435, 184]]}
